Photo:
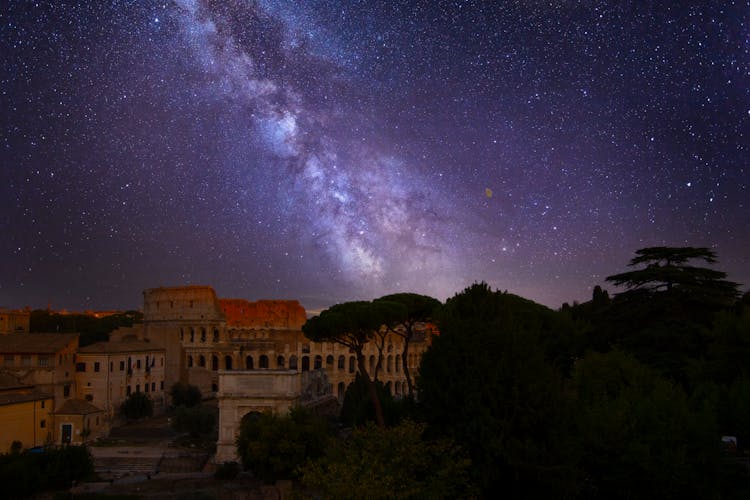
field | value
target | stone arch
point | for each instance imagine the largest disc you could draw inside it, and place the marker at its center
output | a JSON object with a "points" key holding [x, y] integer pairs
{"points": [[293, 362], [305, 363], [318, 362], [192, 334], [397, 363], [342, 362], [214, 362], [249, 363], [280, 362], [202, 361], [389, 364], [263, 361], [228, 362], [329, 361], [216, 334], [203, 334], [389, 387], [190, 361], [352, 364]]}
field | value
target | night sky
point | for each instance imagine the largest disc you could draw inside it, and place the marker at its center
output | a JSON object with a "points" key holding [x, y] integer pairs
{"points": [[330, 151]]}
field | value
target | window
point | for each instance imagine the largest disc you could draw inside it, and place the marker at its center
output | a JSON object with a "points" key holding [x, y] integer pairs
{"points": [[342, 362], [26, 360], [145, 387], [214, 363], [305, 363], [248, 363], [138, 364], [216, 334], [202, 361], [97, 366], [89, 397], [122, 366], [43, 403], [127, 392], [280, 362], [80, 367], [203, 334], [318, 362], [293, 363], [306, 348], [329, 360], [161, 385], [162, 361], [137, 387], [42, 423], [192, 334], [153, 386], [263, 361], [66, 391], [43, 361], [190, 361], [111, 366]]}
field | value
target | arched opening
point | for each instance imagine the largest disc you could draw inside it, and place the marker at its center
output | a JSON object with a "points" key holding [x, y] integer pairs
{"points": [[389, 388], [318, 362], [398, 388], [305, 363], [342, 363], [280, 362], [341, 391], [182, 334], [389, 364], [203, 334], [329, 361], [293, 363], [214, 387], [192, 334], [202, 361], [190, 361], [352, 364], [372, 364], [397, 363], [228, 362], [249, 363], [263, 361], [214, 363], [216, 334]]}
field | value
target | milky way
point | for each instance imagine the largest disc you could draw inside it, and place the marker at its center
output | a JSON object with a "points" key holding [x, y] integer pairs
{"points": [[329, 151]]}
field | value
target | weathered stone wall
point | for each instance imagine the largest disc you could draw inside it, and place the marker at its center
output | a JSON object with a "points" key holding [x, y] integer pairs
{"points": [[276, 314]]}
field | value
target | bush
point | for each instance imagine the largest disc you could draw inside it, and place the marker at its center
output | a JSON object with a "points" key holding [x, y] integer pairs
{"points": [[196, 420], [185, 395], [273, 447], [137, 405], [227, 470], [23, 474]]}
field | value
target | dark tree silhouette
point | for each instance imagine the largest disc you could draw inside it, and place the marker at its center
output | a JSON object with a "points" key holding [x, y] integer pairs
{"points": [[419, 309], [354, 325]]}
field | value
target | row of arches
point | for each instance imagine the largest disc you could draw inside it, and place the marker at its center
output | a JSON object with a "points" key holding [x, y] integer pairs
{"points": [[391, 364], [191, 334]]}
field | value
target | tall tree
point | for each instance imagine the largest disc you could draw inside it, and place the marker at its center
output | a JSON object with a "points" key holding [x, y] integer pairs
{"points": [[419, 309], [354, 325], [667, 269]]}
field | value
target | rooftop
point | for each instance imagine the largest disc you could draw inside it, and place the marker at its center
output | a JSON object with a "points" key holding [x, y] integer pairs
{"points": [[77, 407], [14, 396], [120, 347], [31, 343]]}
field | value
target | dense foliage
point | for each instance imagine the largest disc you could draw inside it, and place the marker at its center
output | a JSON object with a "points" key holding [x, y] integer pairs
{"points": [[389, 463], [195, 420], [92, 329], [183, 394], [275, 446], [25, 474], [137, 405]]}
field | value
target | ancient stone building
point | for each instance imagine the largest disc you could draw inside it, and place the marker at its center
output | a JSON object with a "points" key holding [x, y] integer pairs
{"points": [[203, 335]]}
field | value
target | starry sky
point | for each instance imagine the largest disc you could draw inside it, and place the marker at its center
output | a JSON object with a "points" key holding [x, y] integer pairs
{"points": [[328, 151]]}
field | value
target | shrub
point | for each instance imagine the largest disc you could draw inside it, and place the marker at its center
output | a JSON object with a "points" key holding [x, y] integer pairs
{"points": [[137, 405], [185, 395]]}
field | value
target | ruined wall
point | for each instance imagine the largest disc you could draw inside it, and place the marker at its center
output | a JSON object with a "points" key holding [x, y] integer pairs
{"points": [[276, 314], [182, 303]]}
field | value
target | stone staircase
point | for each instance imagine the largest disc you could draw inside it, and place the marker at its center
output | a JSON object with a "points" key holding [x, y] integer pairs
{"points": [[116, 467]]}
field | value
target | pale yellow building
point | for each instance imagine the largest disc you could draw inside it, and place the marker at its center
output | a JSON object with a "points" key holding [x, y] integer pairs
{"points": [[79, 422], [108, 372], [24, 415], [44, 360], [14, 320]]}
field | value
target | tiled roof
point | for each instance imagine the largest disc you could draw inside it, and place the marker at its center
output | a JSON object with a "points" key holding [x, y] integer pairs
{"points": [[32, 343], [77, 407], [123, 346], [22, 396]]}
